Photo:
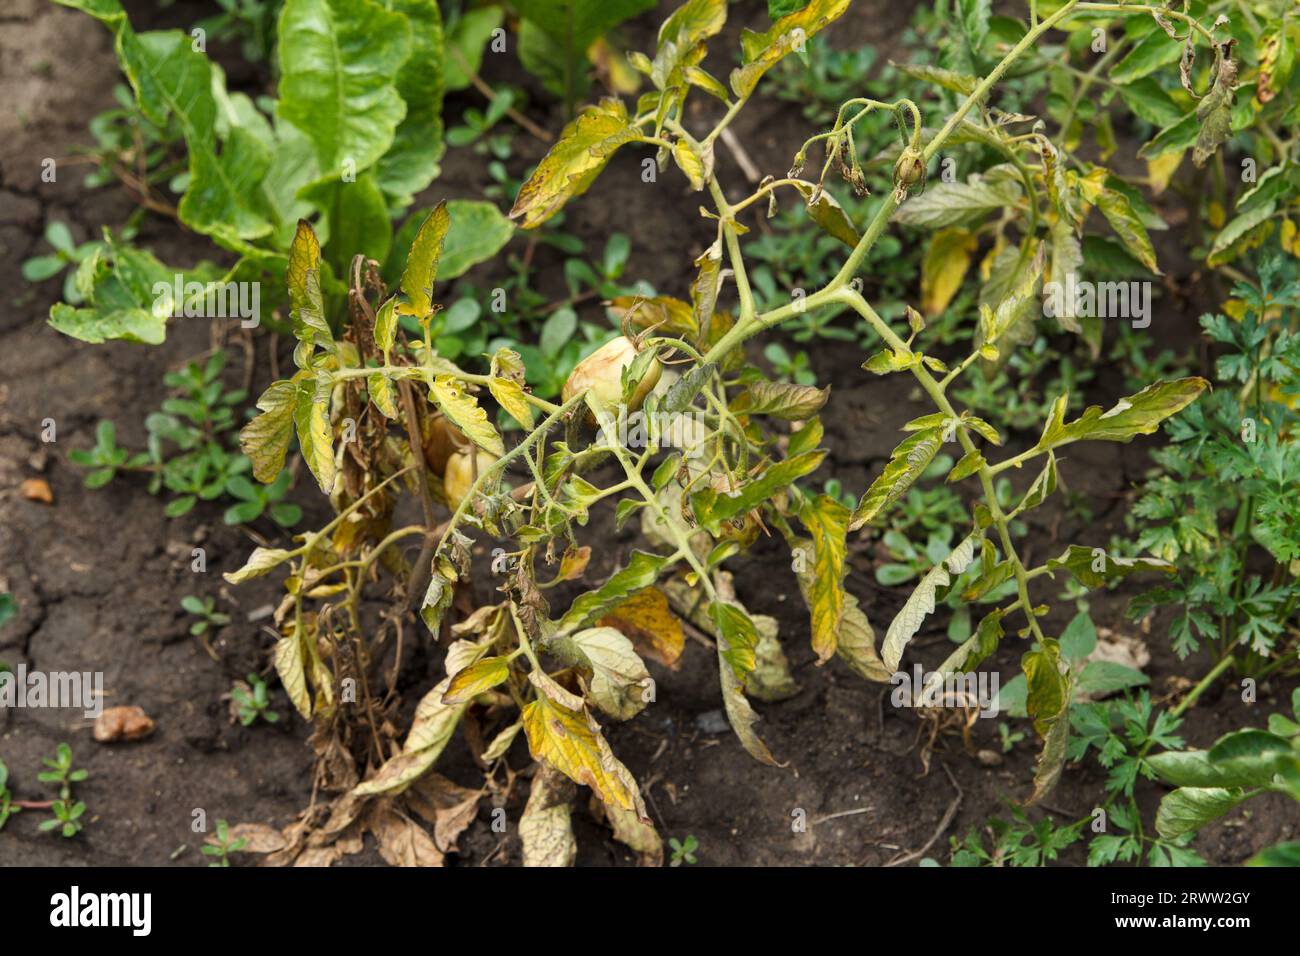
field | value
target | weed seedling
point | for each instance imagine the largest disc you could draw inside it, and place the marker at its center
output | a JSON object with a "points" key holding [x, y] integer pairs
{"points": [[252, 701], [256, 499], [61, 771], [40, 268], [683, 851], [7, 807], [205, 609], [67, 816], [1008, 737], [221, 846]]}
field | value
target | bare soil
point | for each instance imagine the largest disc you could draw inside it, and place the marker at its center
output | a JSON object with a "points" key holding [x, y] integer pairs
{"points": [[98, 576]]}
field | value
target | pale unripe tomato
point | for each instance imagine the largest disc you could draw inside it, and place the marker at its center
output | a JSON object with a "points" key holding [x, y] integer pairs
{"points": [[601, 372], [459, 475], [441, 439]]}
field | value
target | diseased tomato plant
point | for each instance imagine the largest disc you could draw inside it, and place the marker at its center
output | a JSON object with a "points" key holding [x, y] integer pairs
{"points": [[706, 452]]}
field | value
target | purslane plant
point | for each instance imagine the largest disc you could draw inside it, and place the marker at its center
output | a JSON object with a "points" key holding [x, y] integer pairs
{"points": [[375, 411]]}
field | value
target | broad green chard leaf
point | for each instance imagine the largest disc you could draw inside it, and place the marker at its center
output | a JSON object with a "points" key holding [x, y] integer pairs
{"points": [[338, 64], [1188, 809], [224, 197], [411, 163]]}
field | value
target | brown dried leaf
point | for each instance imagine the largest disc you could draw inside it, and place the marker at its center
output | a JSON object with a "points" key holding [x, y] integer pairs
{"points": [[258, 837], [402, 842], [546, 828], [450, 807]]}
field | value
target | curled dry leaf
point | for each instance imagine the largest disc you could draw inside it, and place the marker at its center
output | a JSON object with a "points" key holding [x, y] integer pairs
{"points": [[546, 828], [449, 807], [402, 841]]}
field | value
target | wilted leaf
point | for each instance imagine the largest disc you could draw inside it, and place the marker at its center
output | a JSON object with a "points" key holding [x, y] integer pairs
{"points": [[306, 306], [1014, 311], [740, 714], [645, 618], [906, 463], [784, 400], [1139, 414], [947, 258], [704, 290], [311, 416], [265, 440], [450, 808], [382, 394], [571, 742], [400, 840], [970, 463], [422, 263], [502, 742], [771, 679], [1188, 809], [1094, 568], [1046, 702], [826, 211], [1214, 112], [827, 521], [1114, 205], [962, 83], [690, 163], [714, 507], [510, 395], [958, 204], [574, 162], [1042, 487], [259, 563], [476, 678], [546, 828], [431, 728], [641, 571], [466, 414], [920, 604], [289, 665], [736, 635], [681, 39], [619, 680], [386, 325], [761, 51], [662, 313]]}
